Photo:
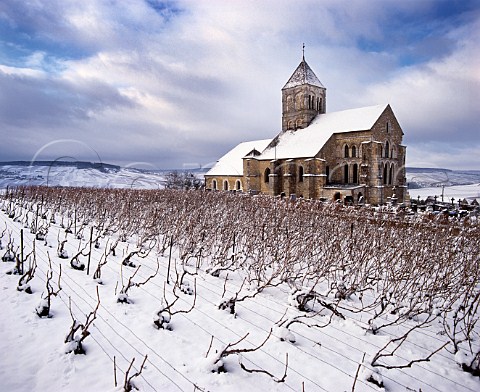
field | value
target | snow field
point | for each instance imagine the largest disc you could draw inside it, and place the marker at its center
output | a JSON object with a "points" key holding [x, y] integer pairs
{"points": [[321, 359], [199, 325], [458, 192]]}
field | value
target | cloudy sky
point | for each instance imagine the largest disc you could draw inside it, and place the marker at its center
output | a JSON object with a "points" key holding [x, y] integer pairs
{"points": [[177, 84]]}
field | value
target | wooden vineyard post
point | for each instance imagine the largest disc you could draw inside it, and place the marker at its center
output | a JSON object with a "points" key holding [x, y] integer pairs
{"points": [[20, 267], [90, 252], [169, 260]]}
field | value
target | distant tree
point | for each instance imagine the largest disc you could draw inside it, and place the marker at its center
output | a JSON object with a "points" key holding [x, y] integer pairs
{"points": [[182, 180], [191, 181], [173, 180]]}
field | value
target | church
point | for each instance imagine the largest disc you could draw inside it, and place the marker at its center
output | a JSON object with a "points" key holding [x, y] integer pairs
{"points": [[355, 156]]}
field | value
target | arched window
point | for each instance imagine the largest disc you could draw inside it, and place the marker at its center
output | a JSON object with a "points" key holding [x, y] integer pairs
{"points": [[300, 174], [266, 176], [345, 174], [327, 173], [214, 185], [299, 123], [291, 124], [385, 174], [390, 177], [354, 151], [346, 151], [225, 185], [387, 126], [309, 101], [298, 102], [238, 185], [355, 174], [289, 103], [320, 105], [387, 149]]}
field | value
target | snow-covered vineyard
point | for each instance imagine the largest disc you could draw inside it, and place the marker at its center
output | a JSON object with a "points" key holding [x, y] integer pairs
{"points": [[221, 292]]}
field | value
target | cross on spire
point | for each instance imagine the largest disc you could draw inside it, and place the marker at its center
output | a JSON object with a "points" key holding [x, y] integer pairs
{"points": [[303, 52]]}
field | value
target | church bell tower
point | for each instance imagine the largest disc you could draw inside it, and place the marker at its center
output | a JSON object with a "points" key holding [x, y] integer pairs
{"points": [[303, 97]]}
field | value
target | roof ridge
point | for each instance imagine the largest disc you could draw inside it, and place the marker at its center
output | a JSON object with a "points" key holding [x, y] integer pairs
{"points": [[307, 142]]}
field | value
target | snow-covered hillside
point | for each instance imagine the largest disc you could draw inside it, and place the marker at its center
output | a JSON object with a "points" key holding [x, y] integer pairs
{"points": [[428, 178], [457, 184], [64, 175]]}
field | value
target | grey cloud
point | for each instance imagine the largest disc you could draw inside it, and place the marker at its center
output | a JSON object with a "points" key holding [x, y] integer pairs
{"points": [[28, 101]]}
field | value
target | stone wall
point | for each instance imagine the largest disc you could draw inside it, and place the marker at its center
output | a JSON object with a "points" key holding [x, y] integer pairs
{"points": [[221, 182]]}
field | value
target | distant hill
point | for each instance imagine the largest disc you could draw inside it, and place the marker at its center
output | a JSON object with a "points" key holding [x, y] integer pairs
{"points": [[436, 177], [81, 174], [426, 169], [77, 164]]}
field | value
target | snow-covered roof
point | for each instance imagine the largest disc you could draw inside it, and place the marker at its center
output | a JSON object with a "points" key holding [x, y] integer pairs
{"points": [[231, 164], [307, 142], [303, 75]]}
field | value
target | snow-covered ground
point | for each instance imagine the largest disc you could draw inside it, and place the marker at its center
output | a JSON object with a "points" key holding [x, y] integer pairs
{"points": [[459, 184], [33, 356], [458, 192]]}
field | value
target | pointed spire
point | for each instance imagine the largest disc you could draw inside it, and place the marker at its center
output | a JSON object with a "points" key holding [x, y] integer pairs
{"points": [[303, 75], [304, 65]]}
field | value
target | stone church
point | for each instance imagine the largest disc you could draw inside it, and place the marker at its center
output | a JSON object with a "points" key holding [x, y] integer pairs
{"points": [[352, 155]]}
